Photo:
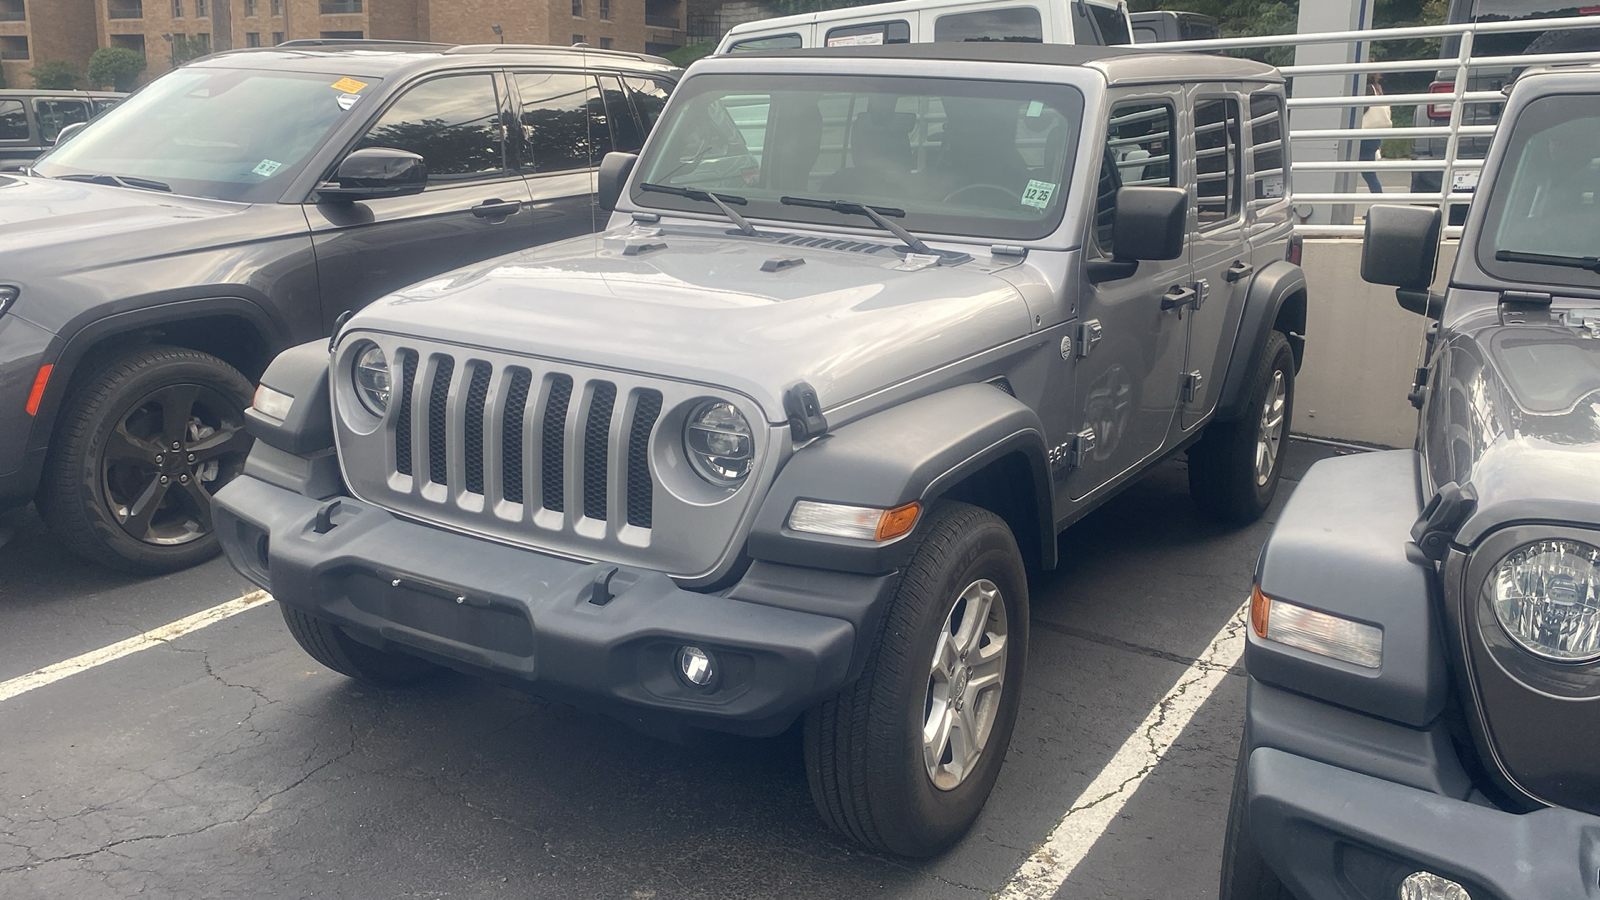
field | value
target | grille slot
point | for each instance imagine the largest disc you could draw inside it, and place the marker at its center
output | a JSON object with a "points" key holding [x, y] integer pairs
{"points": [[641, 487], [438, 402], [477, 392], [597, 449], [553, 461], [511, 435], [402, 419]]}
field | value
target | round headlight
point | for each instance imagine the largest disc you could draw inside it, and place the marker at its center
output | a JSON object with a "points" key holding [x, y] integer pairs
{"points": [[370, 371], [719, 444], [1547, 597]]}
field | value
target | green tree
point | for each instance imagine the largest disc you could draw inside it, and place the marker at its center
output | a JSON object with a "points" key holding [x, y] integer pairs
{"points": [[117, 67], [55, 75]]}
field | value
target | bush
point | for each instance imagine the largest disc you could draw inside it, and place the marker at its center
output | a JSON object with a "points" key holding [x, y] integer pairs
{"points": [[55, 75], [682, 56], [117, 67]]}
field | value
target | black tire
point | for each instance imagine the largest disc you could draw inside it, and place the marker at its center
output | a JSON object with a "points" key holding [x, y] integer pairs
{"points": [[1245, 875], [328, 644], [864, 748], [103, 492], [1225, 479]]}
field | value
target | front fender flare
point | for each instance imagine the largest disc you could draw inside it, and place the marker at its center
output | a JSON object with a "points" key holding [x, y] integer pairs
{"points": [[1269, 290]]}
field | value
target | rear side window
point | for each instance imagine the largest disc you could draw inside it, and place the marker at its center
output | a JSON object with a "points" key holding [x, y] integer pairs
{"points": [[558, 120], [1267, 178], [55, 115], [770, 42], [896, 32], [649, 96], [1138, 151], [1113, 27], [13, 121], [1217, 160], [1019, 24], [626, 133]]}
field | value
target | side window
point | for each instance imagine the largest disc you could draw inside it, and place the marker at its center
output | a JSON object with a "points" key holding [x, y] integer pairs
{"points": [[625, 129], [1113, 26], [453, 123], [55, 115], [649, 96], [1138, 151], [1217, 161], [770, 42], [557, 120], [1266, 148], [13, 121], [896, 32], [101, 106], [1146, 34], [1019, 24]]}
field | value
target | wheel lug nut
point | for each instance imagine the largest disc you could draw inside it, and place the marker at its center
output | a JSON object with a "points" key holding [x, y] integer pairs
{"points": [[163, 479], [183, 479], [191, 457], [158, 458]]}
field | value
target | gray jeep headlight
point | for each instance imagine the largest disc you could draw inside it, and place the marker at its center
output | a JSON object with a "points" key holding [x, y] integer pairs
{"points": [[369, 370], [1547, 597], [719, 444]]}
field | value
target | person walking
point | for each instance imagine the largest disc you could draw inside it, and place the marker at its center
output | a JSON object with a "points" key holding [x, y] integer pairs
{"points": [[1376, 116]]}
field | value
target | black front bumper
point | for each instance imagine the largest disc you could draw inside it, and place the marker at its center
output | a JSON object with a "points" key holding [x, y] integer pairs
{"points": [[1342, 806], [783, 638]]}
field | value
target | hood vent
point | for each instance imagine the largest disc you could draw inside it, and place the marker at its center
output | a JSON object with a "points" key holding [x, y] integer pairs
{"points": [[822, 243]]}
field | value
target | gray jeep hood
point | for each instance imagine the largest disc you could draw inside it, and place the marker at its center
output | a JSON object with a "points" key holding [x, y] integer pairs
{"points": [[701, 309]]}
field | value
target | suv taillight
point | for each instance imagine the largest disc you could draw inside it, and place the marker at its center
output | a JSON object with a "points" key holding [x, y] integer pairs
{"points": [[1435, 110]]}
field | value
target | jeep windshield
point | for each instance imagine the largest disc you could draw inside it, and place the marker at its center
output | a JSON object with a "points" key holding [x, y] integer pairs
{"points": [[987, 159], [1543, 221], [221, 133]]}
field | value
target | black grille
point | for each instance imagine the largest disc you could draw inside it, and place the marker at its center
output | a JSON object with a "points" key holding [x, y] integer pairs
{"points": [[823, 243], [511, 435], [596, 449], [553, 456], [438, 401], [472, 439], [641, 487], [402, 420]]}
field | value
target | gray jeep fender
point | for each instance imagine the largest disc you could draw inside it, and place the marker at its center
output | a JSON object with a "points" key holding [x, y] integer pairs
{"points": [[920, 450], [1269, 291]]}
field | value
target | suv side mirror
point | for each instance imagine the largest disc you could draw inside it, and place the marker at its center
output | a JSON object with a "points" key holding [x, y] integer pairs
{"points": [[614, 172], [1151, 223], [374, 172], [69, 132], [1401, 248]]}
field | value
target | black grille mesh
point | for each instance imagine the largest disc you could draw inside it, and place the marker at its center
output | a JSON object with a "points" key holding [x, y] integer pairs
{"points": [[402, 420], [553, 455], [596, 449], [438, 401], [511, 435], [472, 439], [640, 485]]}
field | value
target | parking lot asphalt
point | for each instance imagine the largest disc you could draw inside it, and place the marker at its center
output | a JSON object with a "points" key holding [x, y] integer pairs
{"points": [[227, 763]]}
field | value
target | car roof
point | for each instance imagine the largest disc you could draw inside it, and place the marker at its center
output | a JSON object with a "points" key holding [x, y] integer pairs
{"points": [[1119, 65], [871, 11], [382, 58]]}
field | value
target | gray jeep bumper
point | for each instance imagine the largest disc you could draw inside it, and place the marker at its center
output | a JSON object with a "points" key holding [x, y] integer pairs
{"points": [[783, 638]]}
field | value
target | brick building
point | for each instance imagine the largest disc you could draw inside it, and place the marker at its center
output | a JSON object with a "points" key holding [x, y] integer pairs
{"points": [[35, 31]]}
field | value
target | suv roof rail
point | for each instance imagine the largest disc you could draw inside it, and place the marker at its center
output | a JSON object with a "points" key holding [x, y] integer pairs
{"points": [[546, 48], [361, 43]]}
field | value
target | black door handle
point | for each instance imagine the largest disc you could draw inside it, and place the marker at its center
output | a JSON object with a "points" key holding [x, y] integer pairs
{"points": [[1176, 297], [1239, 270], [496, 209]]}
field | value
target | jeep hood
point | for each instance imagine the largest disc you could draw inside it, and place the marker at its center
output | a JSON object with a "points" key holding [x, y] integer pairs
{"points": [[40, 213], [752, 315]]}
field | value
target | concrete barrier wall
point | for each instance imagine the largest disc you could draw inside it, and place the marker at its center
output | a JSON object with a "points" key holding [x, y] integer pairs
{"points": [[1362, 350]]}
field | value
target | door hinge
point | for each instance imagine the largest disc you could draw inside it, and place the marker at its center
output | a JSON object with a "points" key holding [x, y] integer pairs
{"points": [[1202, 290], [1074, 453], [1191, 386], [1089, 334]]}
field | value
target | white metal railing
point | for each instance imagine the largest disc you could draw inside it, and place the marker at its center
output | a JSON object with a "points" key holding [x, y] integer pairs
{"points": [[1453, 131]]}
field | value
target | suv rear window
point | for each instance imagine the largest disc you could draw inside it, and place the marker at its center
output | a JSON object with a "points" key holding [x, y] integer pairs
{"points": [[1016, 25], [769, 42], [895, 32]]}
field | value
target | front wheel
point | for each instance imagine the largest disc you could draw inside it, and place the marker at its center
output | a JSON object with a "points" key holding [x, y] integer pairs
{"points": [[1234, 469], [903, 759]]}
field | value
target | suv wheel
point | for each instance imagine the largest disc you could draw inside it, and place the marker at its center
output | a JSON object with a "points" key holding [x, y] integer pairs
{"points": [[1235, 467], [1245, 875], [142, 444], [328, 644], [904, 758]]}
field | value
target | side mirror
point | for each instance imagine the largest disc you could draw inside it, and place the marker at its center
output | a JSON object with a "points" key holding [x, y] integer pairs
{"points": [[374, 172], [1151, 224], [1401, 248], [69, 132], [614, 172]]}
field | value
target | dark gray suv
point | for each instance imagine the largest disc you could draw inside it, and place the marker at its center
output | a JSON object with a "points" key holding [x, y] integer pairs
{"points": [[150, 268]]}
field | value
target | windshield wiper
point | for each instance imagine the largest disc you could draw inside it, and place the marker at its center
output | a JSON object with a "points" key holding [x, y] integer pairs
{"points": [[877, 214], [1592, 263], [127, 181], [721, 200]]}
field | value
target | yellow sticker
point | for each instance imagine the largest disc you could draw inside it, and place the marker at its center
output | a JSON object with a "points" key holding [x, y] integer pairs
{"points": [[348, 85]]}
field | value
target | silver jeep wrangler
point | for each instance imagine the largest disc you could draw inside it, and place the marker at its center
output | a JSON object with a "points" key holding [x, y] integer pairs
{"points": [[870, 327]]}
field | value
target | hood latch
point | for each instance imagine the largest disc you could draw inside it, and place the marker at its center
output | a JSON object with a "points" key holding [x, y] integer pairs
{"points": [[804, 410]]}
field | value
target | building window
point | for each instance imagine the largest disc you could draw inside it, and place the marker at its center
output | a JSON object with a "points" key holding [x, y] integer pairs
{"points": [[605, 43], [134, 42], [250, 11], [177, 9], [200, 9], [124, 9], [277, 38], [13, 47], [577, 39], [605, 10], [203, 41], [13, 11], [277, 7], [340, 7], [342, 35], [252, 38], [577, 8]]}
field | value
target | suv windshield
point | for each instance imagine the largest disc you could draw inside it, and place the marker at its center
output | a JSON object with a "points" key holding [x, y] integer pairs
{"points": [[227, 134], [980, 158], [1546, 198]]}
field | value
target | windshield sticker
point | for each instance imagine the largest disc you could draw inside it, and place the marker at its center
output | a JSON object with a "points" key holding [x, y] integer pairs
{"points": [[348, 100], [1037, 194], [348, 85], [856, 40], [266, 167], [1035, 109]]}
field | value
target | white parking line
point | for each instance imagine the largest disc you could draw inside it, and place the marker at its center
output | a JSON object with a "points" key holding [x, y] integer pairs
{"points": [[1044, 872], [170, 631]]}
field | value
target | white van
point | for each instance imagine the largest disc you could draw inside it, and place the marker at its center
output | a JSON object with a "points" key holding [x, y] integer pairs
{"points": [[928, 21]]}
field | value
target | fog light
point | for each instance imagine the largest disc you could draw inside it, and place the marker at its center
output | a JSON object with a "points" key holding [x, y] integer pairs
{"points": [[1428, 886], [695, 664]]}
